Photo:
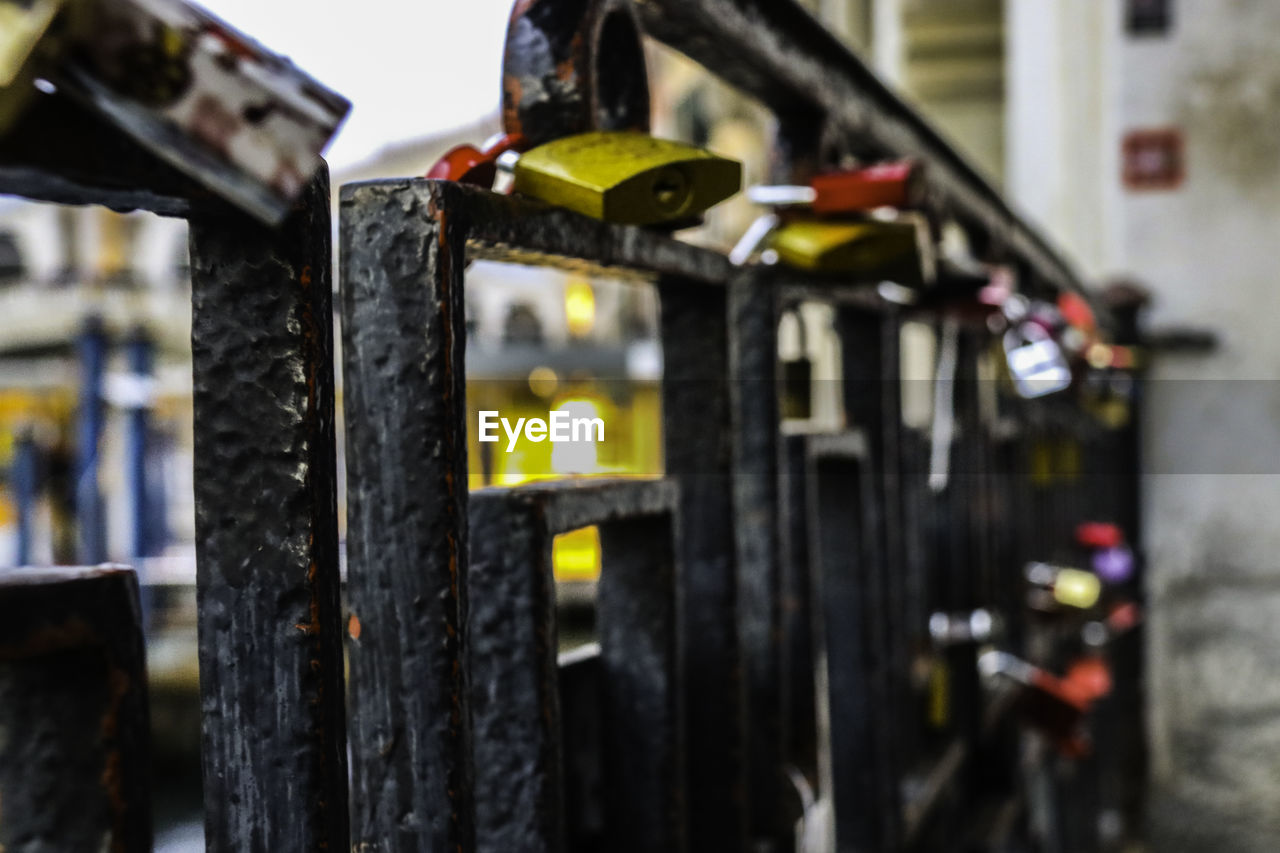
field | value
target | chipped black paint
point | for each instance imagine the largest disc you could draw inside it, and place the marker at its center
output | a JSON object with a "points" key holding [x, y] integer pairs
{"points": [[271, 680]]}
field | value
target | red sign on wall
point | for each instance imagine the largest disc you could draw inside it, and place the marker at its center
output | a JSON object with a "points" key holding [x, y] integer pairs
{"points": [[1153, 159]]}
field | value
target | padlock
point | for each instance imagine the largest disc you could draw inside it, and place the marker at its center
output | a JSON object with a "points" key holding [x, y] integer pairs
{"points": [[1066, 586], [1122, 618], [32, 33], [1099, 534], [209, 101], [624, 177], [1036, 363], [897, 184], [974, 627], [467, 164], [797, 375], [1056, 707], [23, 23], [870, 250]]}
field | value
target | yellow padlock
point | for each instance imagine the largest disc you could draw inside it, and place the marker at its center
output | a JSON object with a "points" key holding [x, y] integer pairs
{"points": [[1077, 588], [22, 25], [870, 249], [31, 35], [625, 177]]}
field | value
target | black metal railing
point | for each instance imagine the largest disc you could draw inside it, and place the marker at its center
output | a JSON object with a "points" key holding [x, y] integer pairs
{"points": [[764, 606]]}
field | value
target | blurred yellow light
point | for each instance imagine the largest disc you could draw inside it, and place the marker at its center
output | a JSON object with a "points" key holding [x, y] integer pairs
{"points": [[580, 308], [543, 381], [1077, 588], [575, 556]]}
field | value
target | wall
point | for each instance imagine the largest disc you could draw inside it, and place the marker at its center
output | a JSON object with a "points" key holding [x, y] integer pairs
{"points": [[1213, 425]]}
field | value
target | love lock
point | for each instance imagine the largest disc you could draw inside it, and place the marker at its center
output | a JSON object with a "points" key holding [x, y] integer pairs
{"points": [[1036, 363], [1056, 707], [624, 177], [898, 184], [870, 249], [32, 33], [1064, 586], [181, 83], [576, 119]]}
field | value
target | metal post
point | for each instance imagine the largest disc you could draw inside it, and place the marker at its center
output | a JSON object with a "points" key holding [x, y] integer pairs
{"points": [[91, 545], [74, 756], [520, 773], [753, 391], [695, 352], [404, 336], [872, 387], [275, 774]]}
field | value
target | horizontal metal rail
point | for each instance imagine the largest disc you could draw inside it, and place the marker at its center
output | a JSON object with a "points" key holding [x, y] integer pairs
{"points": [[775, 51]]}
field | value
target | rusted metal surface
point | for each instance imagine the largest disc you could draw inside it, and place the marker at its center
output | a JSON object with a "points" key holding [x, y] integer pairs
{"points": [[403, 255], [271, 682], [571, 66], [518, 727], [74, 739]]}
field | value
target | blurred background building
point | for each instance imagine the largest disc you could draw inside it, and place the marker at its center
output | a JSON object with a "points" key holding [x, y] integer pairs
{"points": [[1144, 135]]}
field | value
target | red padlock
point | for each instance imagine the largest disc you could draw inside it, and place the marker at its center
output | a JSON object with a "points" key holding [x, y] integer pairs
{"points": [[1099, 534], [467, 164], [897, 184]]}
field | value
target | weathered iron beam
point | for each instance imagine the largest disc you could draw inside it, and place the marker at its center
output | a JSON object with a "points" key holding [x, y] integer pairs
{"points": [[74, 739], [753, 391], [696, 377], [516, 698], [842, 548], [776, 51], [404, 335], [274, 754]]}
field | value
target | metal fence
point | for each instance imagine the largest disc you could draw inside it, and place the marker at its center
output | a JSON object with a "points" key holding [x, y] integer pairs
{"points": [[762, 607]]}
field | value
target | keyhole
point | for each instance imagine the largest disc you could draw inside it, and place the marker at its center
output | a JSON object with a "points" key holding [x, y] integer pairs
{"points": [[670, 190]]}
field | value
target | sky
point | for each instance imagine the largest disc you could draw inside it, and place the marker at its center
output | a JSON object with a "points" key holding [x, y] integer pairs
{"points": [[409, 67]]}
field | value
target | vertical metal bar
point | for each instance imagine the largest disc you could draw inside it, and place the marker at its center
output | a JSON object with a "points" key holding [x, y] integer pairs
{"points": [[514, 697], [643, 747], [872, 401], [800, 716], [838, 527], [275, 774], [75, 755], [753, 330], [26, 486], [91, 545], [404, 337], [695, 351]]}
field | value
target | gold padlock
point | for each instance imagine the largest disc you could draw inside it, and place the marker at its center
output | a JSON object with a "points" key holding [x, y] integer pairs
{"points": [[626, 177], [22, 26], [870, 249]]}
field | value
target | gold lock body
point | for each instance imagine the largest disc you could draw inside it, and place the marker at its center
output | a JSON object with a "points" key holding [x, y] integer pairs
{"points": [[30, 35], [625, 177], [869, 249]]}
